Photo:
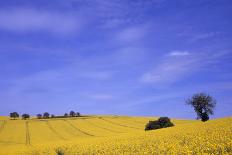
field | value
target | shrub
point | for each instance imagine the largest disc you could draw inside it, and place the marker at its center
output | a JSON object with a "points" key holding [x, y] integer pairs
{"points": [[59, 151], [162, 122]]}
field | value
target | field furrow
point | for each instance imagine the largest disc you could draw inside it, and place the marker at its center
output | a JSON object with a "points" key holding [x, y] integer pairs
{"points": [[129, 122], [28, 139], [2, 125], [101, 127], [109, 126], [13, 131], [84, 125], [77, 128], [40, 132], [119, 124], [54, 131]]}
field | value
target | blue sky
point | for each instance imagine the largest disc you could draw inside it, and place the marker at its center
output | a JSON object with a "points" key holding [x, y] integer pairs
{"points": [[123, 57]]}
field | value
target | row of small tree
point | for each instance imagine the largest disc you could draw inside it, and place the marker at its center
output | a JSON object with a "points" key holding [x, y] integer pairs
{"points": [[15, 115], [45, 115]]}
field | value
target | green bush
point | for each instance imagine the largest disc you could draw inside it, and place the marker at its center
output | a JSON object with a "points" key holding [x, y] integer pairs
{"points": [[25, 116], [162, 122]]}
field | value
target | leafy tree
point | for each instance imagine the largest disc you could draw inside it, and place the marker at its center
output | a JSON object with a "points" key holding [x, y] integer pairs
{"points": [[39, 116], [78, 114], [53, 116], [46, 115], [65, 115], [25, 116], [72, 114], [14, 115], [203, 105], [162, 122]]}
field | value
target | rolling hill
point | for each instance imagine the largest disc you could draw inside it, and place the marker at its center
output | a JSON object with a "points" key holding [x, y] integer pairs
{"points": [[112, 135]]}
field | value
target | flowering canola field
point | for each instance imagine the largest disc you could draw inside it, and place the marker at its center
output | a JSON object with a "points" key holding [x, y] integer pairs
{"points": [[113, 135]]}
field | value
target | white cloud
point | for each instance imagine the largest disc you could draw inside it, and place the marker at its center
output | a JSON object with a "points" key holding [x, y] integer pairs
{"points": [[201, 36], [98, 74], [132, 34], [100, 96], [192, 36], [117, 13], [30, 20], [170, 71], [178, 53], [181, 64]]}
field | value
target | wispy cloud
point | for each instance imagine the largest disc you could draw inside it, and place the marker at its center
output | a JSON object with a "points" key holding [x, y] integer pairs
{"points": [[193, 36], [99, 96], [32, 20], [170, 71], [179, 65], [115, 13], [132, 34], [201, 36], [178, 53], [102, 75], [85, 71]]}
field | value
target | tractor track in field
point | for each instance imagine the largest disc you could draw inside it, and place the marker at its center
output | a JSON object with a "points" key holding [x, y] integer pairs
{"points": [[136, 121], [10, 142], [2, 126], [103, 127], [118, 124], [78, 128], [128, 120], [54, 131], [28, 137]]}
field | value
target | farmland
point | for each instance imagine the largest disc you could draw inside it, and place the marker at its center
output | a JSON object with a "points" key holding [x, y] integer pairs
{"points": [[113, 135]]}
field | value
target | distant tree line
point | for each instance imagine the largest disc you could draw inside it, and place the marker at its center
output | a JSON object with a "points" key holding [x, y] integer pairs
{"points": [[45, 115], [15, 115]]}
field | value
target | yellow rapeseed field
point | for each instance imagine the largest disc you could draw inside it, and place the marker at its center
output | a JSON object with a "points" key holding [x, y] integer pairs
{"points": [[113, 135]]}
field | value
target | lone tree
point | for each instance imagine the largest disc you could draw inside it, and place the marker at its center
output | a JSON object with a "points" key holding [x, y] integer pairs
{"points": [[39, 116], [46, 115], [72, 114], [14, 115], [25, 116], [203, 105]]}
